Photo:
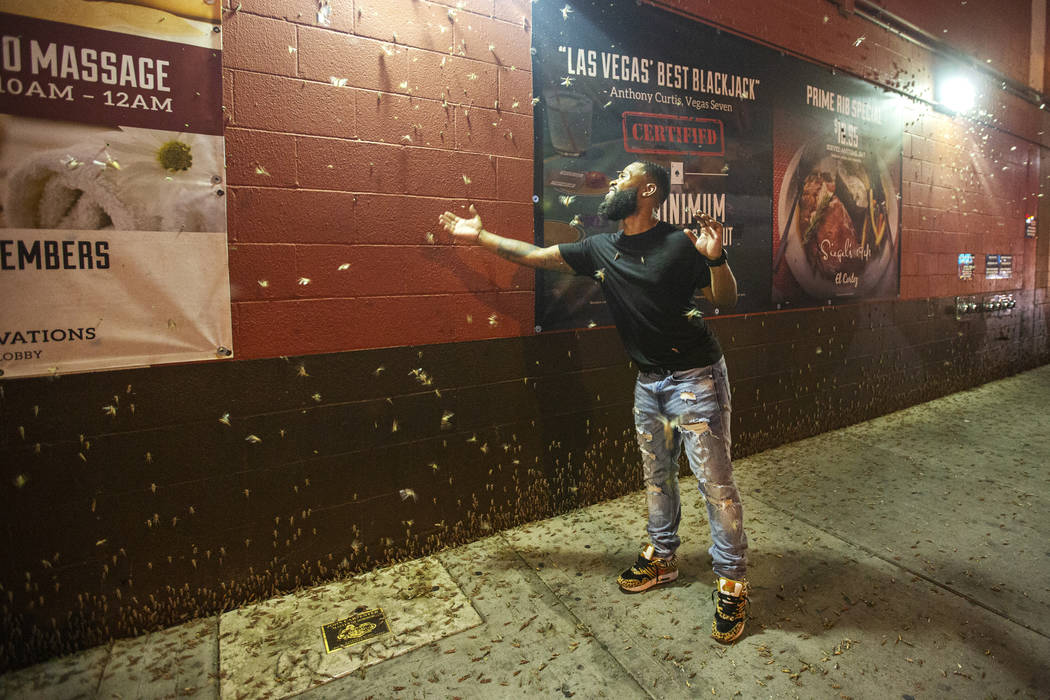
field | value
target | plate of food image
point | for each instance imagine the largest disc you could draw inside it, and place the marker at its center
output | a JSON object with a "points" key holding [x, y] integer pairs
{"points": [[839, 216], [589, 175], [555, 232]]}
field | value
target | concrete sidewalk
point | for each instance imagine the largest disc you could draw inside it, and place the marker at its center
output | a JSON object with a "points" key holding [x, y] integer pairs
{"points": [[905, 557]]}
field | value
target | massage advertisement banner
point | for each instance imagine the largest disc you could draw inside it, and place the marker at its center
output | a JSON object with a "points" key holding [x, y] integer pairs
{"points": [[112, 184], [619, 82]]}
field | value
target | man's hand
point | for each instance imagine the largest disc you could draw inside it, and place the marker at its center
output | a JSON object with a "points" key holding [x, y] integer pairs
{"points": [[707, 238], [464, 229]]}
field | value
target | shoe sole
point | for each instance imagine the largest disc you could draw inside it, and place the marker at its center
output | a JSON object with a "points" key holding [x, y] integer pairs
{"points": [[735, 637], [662, 578]]}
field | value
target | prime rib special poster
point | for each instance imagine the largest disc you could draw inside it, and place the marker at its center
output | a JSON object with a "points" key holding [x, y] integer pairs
{"points": [[801, 166]]}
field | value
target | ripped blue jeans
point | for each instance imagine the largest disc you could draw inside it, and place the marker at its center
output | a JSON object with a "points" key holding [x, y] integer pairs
{"points": [[690, 406]]}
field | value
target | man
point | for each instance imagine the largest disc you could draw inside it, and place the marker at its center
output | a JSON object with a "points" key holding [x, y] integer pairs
{"points": [[649, 272]]}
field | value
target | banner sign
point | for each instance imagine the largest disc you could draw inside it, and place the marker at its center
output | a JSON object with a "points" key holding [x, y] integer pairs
{"points": [[807, 195], [837, 178], [998, 267], [112, 183]]}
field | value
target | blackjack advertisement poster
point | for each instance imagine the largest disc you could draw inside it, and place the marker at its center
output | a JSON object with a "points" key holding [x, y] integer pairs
{"points": [[801, 166], [113, 248]]}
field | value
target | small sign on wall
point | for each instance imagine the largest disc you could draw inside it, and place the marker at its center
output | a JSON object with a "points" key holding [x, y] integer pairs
{"points": [[966, 266], [1029, 227], [998, 267]]}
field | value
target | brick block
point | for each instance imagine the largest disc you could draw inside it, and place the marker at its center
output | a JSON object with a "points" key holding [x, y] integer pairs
{"points": [[303, 12], [364, 63], [911, 170], [926, 173], [293, 106], [951, 222], [481, 7], [926, 263], [942, 198], [258, 44], [275, 328], [262, 271], [918, 195], [321, 265], [260, 158], [485, 270], [515, 90], [493, 41], [403, 120], [514, 179], [493, 315], [498, 133], [227, 97], [292, 216], [940, 286], [514, 220], [401, 219], [350, 166], [947, 263], [406, 22], [452, 78], [514, 11], [909, 263], [921, 149], [449, 174]]}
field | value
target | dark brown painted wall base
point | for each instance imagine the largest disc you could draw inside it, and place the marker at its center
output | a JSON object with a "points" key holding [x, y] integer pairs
{"points": [[217, 484]]}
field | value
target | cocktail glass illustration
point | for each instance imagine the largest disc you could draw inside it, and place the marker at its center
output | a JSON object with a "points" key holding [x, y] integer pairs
{"points": [[569, 121]]}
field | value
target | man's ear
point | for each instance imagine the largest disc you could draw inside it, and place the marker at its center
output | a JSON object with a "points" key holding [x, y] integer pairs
{"points": [[649, 190]]}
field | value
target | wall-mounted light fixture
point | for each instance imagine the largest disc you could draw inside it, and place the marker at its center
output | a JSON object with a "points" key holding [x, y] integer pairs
{"points": [[955, 93]]}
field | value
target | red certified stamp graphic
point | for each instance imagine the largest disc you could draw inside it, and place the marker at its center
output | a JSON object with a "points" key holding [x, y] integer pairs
{"points": [[673, 135]]}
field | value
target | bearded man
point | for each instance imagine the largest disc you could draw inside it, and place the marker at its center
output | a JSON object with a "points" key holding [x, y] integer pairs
{"points": [[649, 272]]}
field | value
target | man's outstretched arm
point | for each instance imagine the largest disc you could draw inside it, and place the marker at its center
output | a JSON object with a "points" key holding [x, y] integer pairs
{"points": [[520, 252]]}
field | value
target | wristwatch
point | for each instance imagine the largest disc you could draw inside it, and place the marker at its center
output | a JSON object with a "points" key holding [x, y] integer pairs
{"points": [[720, 260]]}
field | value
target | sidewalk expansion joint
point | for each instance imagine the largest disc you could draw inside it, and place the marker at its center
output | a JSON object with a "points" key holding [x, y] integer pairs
{"points": [[105, 664], [899, 565], [576, 617]]}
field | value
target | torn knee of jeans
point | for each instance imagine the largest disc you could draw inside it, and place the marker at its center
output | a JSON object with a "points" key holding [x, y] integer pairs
{"points": [[688, 396], [696, 427], [653, 489], [642, 434], [722, 503], [711, 494]]}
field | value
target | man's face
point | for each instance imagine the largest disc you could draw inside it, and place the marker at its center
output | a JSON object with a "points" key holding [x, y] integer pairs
{"points": [[622, 199]]}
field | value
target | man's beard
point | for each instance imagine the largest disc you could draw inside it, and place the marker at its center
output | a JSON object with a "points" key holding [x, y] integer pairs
{"points": [[619, 204]]}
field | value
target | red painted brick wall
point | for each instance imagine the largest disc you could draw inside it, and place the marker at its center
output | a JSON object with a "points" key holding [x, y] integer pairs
{"points": [[344, 143]]}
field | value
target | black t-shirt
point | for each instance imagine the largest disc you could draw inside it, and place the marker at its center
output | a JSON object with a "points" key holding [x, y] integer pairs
{"points": [[649, 280]]}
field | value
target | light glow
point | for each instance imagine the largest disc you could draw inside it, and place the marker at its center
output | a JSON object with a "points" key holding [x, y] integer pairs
{"points": [[957, 94]]}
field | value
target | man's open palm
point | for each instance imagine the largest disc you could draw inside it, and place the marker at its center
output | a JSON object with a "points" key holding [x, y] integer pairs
{"points": [[466, 229], [707, 237]]}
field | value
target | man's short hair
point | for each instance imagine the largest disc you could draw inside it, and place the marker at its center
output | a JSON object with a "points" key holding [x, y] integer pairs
{"points": [[660, 176]]}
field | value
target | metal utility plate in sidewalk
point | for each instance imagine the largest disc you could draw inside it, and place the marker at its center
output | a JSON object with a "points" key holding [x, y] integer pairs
{"points": [[276, 648]]}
